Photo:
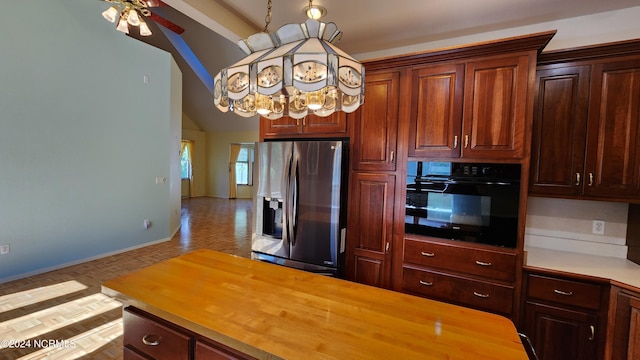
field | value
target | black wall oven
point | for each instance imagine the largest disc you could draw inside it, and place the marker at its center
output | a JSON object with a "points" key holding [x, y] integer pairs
{"points": [[474, 202]]}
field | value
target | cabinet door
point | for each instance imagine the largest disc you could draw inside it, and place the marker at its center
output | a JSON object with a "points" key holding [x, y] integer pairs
{"points": [[558, 333], [370, 228], [211, 350], [613, 142], [495, 107], [625, 332], [334, 124], [436, 111], [375, 123], [559, 130], [285, 126], [634, 330]]}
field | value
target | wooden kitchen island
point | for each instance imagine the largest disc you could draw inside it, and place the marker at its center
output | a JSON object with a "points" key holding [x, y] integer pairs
{"points": [[208, 303]]}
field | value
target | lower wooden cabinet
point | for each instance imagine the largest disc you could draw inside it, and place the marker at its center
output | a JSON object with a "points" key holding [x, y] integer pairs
{"points": [[624, 321], [565, 318], [149, 337], [370, 224], [456, 272], [153, 338], [461, 290]]}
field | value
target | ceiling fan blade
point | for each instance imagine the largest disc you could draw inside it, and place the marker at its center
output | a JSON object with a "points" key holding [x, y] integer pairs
{"points": [[166, 23]]}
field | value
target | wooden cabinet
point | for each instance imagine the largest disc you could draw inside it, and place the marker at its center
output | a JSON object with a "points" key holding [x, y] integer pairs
{"points": [[559, 130], [149, 337], [436, 111], [334, 125], [586, 131], [624, 335], [481, 278], [565, 318], [373, 179], [495, 107], [613, 139], [144, 335], [370, 224], [634, 330], [375, 124], [473, 109]]}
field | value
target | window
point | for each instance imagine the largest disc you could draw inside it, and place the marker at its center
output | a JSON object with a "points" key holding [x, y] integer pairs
{"points": [[244, 165], [185, 160]]}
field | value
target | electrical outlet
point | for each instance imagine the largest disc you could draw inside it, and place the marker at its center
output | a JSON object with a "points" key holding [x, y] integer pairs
{"points": [[4, 249], [598, 227], [146, 223]]}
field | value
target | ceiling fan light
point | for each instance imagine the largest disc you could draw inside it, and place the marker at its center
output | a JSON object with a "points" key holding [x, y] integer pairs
{"points": [[144, 29], [122, 25], [110, 14], [133, 18]]}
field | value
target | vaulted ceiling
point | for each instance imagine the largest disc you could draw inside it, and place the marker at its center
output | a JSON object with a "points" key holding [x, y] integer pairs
{"points": [[212, 28]]}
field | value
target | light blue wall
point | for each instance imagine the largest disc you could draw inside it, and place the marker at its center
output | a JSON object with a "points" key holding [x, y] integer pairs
{"points": [[82, 137]]}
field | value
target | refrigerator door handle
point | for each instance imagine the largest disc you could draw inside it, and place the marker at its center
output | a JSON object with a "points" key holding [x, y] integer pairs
{"points": [[293, 202]]}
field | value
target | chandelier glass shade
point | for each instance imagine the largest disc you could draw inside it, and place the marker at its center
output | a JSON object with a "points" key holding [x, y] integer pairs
{"points": [[292, 72], [128, 12]]}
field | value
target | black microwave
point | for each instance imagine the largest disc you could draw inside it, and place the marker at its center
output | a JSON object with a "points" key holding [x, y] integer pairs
{"points": [[473, 202]]}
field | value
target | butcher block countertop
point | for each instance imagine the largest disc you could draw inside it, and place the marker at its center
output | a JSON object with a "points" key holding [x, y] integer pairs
{"points": [[270, 312]]}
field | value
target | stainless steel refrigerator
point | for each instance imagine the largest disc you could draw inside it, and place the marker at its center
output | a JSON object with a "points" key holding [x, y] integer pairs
{"points": [[299, 213]]}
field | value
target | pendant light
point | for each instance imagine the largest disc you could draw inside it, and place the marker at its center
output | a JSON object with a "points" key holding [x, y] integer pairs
{"points": [[294, 71]]}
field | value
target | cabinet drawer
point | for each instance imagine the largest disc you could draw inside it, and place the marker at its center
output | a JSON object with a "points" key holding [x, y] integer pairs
{"points": [[487, 263], [562, 291], [154, 338], [459, 290]]}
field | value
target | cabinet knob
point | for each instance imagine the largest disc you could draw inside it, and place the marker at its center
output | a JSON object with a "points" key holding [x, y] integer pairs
{"points": [[590, 179], [151, 339], [455, 142], [577, 179], [393, 156], [592, 336], [466, 141]]}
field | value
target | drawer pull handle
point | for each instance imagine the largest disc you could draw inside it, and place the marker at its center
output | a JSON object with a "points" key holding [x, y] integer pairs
{"points": [[565, 293], [590, 179], [482, 263], [428, 254], [425, 283], [151, 339], [593, 332], [484, 296], [455, 142]]}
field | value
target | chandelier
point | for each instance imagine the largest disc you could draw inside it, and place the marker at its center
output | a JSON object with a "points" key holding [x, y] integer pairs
{"points": [[293, 71], [128, 12]]}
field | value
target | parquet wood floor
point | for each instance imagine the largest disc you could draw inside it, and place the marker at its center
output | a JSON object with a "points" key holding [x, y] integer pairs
{"points": [[65, 306]]}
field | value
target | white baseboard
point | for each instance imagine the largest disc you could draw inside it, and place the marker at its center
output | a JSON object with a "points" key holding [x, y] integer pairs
{"points": [[80, 261]]}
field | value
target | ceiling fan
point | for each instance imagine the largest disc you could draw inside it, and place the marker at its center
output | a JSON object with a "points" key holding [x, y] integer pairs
{"points": [[129, 12]]}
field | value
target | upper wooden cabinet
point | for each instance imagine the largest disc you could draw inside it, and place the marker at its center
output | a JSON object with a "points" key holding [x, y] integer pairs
{"points": [[495, 107], [472, 109], [586, 132], [559, 128], [334, 125], [436, 111], [613, 139], [375, 124]]}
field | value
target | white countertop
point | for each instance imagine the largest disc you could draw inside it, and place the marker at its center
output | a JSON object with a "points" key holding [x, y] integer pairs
{"points": [[617, 269]]}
